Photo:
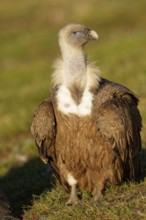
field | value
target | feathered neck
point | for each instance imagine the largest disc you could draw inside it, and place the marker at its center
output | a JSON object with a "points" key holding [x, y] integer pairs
{"points": [[77, 70]]}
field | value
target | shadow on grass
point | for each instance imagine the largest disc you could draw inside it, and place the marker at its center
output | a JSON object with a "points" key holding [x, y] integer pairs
{"points": [[22, 182], [31, 178]]}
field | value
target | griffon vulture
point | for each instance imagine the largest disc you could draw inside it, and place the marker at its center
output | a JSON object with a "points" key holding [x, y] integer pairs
{"points": [[89, 128]]}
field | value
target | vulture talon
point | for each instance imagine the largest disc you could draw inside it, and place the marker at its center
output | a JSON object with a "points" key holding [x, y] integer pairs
{"points": [[71, 202], [97, 197]]}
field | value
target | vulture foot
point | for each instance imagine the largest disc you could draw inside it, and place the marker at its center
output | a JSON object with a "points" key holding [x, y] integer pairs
{"points": [[97, 196], [98, 192], [72, 201]]}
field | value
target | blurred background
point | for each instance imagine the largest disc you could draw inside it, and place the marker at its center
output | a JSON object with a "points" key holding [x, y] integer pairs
{"points": [[28, 47]]}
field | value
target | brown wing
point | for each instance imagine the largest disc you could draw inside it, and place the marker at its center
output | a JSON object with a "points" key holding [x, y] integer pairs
{"points": [[119, 122], [44, 130]]}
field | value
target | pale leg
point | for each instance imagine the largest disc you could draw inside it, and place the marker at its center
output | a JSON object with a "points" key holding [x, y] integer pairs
{"points": [[73, 196]]}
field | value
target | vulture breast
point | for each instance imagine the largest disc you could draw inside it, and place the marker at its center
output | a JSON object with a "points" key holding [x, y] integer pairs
{"points": [[67, 105]]}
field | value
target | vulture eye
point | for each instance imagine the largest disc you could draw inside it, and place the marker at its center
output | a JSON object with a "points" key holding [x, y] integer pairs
{"points": [[76, 32], [76, 36]]}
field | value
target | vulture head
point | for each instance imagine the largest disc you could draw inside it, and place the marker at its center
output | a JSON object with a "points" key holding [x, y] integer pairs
{"points": [[76, 35], [72, 69]]}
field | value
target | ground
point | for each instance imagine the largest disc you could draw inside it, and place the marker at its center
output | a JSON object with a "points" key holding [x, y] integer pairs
{"points": [[28, 42]]}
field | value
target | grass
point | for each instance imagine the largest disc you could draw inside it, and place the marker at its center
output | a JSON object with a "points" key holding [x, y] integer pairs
{"points": [[125, 205], [28, 42]]}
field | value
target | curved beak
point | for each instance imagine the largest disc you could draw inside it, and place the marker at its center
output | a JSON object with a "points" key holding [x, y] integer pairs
{"points": [[93, 35]]}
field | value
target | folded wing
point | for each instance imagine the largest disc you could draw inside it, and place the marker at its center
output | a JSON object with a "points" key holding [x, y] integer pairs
{"points": [[119, 122]]}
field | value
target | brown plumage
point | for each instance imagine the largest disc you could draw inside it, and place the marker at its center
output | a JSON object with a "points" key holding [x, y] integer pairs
{"points": [[89, 128]]}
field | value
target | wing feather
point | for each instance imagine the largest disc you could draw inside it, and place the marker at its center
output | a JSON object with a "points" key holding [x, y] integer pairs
{"points": [[119, 122], [44, 130]]}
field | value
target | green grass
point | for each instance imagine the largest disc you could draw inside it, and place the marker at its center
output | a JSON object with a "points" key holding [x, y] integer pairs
{"points": [[28, 42], [124, 202]]}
